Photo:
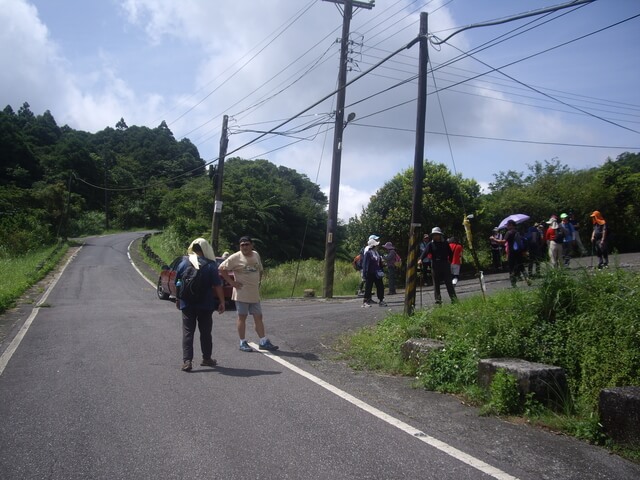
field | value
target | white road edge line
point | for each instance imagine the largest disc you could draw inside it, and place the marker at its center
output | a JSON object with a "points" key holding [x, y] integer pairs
{"points": [[134, 265], [414, 432], [13, 346]]}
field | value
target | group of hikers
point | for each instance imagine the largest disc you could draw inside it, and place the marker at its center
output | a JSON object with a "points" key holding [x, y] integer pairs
{"points": [[440, 259], [556, 240]]}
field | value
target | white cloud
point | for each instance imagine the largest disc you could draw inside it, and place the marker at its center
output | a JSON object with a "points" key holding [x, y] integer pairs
{"points": [[351, 201], [191, 62]]}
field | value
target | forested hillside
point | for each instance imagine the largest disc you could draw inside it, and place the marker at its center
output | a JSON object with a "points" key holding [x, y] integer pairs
{"points": [[57, 182]]}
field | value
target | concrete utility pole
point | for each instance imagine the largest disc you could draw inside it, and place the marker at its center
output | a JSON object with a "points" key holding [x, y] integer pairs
{"points": [[418, 170], [334, 189], [217, 206]]}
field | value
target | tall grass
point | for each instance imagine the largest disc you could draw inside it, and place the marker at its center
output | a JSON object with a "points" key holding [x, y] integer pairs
{"points": [[293, 278], [283, 281], [22, 272]]}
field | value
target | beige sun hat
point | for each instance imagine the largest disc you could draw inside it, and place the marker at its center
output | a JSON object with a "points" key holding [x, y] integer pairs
{"points": [[206, 248]]}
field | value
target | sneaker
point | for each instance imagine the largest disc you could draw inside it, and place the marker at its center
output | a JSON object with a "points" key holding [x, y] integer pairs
{"points": [[267, 345], [366, 304], [244, 346], [208, 362], [454, 281], [187, 366], [382, 303]]}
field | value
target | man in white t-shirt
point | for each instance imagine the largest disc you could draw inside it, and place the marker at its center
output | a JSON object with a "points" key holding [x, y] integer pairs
{"points": [[247, 273]]}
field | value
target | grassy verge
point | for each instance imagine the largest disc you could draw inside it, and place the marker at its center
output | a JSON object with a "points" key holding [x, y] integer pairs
{"points": [[21, 273], [286, 280], [586, 323]]}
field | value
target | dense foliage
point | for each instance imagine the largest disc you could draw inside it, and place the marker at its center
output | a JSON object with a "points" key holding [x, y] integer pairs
{"points": [[59, 182], [586, 323], [548, 188]]}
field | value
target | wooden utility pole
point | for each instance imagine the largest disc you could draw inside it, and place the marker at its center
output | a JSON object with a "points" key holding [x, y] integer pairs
{"points": [[334, 189], [217, 205], [418, 170]]}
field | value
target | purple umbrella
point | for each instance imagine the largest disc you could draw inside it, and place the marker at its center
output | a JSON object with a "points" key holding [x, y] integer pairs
{"points": [[516, 217]]}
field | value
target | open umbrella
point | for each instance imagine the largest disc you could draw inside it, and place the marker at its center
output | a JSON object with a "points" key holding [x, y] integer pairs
{"points": [[516, 217]]}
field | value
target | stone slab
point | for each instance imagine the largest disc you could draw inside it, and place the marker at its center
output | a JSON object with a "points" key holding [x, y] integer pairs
{"points": [[548, 383], [619, 409]]}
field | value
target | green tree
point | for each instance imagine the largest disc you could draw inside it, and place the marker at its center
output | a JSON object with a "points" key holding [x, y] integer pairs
{"points": [[447, 198]]}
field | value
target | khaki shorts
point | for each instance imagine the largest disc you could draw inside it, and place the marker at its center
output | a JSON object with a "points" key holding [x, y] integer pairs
{"points": [[244, 308]]}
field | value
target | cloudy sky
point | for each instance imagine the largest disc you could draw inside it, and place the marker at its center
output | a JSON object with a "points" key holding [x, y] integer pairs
{"points": [[559, 86]]}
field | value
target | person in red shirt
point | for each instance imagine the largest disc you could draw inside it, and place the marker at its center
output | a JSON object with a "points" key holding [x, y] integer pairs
{"points": [[555, 248], [456, 258]]}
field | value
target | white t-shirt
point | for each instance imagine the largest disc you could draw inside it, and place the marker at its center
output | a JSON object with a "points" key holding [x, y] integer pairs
{"points": [[248, 271]]}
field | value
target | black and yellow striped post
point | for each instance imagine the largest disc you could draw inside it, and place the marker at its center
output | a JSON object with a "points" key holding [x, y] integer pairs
{"points": [[412, 269]]}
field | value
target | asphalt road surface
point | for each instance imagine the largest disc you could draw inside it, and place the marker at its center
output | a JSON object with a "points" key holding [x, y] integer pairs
{"points": [[91, 388]]}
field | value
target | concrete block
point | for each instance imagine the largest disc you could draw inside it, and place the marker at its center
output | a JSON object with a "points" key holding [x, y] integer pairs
{"points": [[619, 409], [547, 382], [415, 349]]}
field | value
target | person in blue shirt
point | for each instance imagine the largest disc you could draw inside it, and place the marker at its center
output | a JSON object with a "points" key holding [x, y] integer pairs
{"points": [[200, 254], [567, 242]]}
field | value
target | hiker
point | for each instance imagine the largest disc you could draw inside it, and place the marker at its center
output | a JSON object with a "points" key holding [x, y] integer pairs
{"points": [[394, 263], [600, 239], [199, 311], [372, 272], [441, 254], [247, 274]]}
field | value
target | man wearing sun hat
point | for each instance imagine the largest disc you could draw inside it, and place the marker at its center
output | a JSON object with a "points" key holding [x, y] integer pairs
{"points": [[372, 272]]}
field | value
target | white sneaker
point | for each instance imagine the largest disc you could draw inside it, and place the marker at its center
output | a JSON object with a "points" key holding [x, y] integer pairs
{"points": [[455, 281]]}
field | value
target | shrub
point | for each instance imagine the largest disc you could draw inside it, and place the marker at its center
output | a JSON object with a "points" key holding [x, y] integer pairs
{"points": [[504, 395]]}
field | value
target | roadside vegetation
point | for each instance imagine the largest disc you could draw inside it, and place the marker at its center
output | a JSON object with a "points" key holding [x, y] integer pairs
{"points": [[587, 323], [21, 272], [289, 279]]}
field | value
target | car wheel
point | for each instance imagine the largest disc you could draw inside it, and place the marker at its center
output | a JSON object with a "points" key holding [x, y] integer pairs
{"points": [[161, 293]]}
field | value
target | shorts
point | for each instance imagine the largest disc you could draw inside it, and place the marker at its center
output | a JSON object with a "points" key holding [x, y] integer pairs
{"points": [[455, 269], [244, 308]]}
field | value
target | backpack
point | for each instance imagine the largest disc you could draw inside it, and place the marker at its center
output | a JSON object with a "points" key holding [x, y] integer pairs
{"points": [[192, 283], [560, 234], [520, 243], [357, 262], [397, 262]]}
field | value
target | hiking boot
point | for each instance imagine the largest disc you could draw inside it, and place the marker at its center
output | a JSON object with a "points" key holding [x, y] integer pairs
{"points": [[267, 345], [382, 303], [208, 362], [187, 366], [244, 346]]}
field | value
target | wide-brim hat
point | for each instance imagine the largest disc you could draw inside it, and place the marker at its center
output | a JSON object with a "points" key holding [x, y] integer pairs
{"points": [[436, 230], [389, 246], [207, 251]]}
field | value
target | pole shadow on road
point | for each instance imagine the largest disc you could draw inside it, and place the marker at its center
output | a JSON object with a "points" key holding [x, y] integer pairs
{"points": [[236, 372]]}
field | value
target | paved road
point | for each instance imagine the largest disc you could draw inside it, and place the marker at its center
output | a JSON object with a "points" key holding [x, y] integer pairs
{"points": [[94, 390]]}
